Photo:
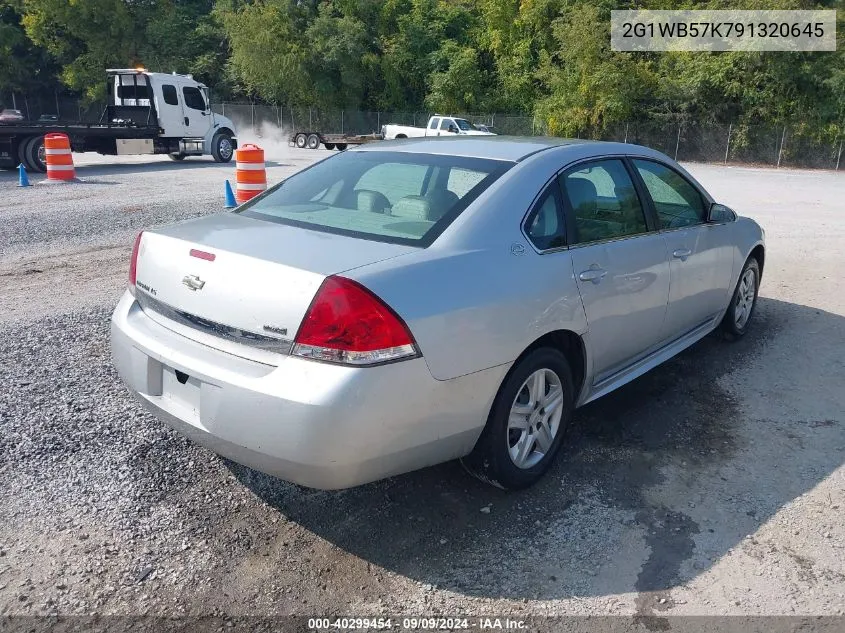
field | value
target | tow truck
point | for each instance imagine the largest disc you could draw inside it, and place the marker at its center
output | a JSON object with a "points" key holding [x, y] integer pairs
{"points": [[147, 113]]}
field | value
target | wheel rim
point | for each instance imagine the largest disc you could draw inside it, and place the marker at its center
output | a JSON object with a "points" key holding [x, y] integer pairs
{"points": [[534, 420], [745, 298], [224, 148], [42, 153]]}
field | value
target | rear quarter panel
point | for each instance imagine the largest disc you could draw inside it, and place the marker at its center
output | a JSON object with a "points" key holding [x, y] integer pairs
{"points": [[474, 310]]}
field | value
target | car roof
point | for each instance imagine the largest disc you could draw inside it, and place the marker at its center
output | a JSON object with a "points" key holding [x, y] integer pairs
{"points": [[509, 148]]}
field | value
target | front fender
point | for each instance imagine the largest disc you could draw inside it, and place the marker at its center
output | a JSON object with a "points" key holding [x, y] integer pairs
{"points": [[748, 236], [220, 123]]}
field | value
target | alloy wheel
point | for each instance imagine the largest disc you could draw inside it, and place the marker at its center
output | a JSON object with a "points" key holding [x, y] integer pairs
{"points": [[534, 419], [745, 298]]}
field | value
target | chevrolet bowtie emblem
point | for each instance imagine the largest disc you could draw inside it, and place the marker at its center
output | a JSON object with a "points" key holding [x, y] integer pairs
{"points": [[193, 282]]}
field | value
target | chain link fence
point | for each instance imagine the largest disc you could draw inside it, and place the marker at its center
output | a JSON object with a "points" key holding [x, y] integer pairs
{"points": [[779, 146], [792, 145]]}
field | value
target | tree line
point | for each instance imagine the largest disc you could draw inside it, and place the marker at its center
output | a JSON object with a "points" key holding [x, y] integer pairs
{"points": [[549, 58]]}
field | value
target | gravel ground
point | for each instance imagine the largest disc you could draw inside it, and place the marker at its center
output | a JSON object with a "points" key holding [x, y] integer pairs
{"points": [[712, 485]]}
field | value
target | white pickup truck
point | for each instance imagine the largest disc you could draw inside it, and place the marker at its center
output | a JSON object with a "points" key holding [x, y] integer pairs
{"points": [[438, 125]]}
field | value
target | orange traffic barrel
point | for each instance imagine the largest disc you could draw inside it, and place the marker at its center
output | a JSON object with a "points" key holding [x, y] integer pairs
{"points": [[250, 176], [58, 157]]}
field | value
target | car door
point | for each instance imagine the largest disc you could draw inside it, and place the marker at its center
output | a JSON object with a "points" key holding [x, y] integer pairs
{"points": [[619, 262], [700, 254], [447, 127], [195, 111]]}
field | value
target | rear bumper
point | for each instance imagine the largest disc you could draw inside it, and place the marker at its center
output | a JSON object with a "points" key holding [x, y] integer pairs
{"points": [[315, 424]]}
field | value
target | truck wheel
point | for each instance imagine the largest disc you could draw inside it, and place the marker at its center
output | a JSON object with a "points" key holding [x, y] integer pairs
{"points": [[222, 148], [329, 145], [34, 155], [341, 146], [300, 141], [176, 156], [401, 136], [313, 141]]}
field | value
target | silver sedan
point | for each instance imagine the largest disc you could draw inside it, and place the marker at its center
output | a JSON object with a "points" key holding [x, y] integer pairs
{"points": [[407, 303]]}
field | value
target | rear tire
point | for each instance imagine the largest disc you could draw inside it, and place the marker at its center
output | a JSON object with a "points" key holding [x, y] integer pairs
{"points": [[300, 141], [313, 141], [176, 156], [34, 157], [341, 146], [527, 422], [328, 145], [743, 301], [222, 148]]}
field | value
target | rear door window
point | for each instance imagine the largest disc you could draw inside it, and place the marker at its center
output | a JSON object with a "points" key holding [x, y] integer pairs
{"points": [[604, 202], [434, 123], [171, 97]]}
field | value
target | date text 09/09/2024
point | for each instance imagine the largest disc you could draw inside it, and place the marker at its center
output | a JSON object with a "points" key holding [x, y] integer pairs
{"points": [[416, 624]]}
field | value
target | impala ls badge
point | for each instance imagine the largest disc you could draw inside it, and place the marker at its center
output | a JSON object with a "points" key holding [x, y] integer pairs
{"points": [[193, 282]]}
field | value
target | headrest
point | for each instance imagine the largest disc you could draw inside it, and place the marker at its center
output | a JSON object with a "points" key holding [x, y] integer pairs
{"points": [[412, 208], [372, 201], [442, 201]]}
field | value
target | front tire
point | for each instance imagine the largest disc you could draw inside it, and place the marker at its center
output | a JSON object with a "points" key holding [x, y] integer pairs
{"points": [[527, 422], [744, 299], [222, 148], [176, 156], [300, 141]]}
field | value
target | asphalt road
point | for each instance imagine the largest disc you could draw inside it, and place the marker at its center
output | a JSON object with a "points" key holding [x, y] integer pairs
{"points": [[712, 485]]}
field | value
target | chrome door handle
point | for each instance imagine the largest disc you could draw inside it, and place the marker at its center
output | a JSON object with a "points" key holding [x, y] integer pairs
{"points": [[682, 254], [593, 274]]}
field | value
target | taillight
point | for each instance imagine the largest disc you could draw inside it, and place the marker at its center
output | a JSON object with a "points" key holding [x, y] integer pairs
{"points": [[348, 324], [133, 263]]}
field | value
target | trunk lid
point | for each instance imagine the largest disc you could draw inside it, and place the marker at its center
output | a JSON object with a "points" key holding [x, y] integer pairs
{"points": [[251, 298]]}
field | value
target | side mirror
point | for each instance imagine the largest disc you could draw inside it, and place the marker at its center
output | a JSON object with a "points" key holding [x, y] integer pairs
{"points": [[719, 214]]}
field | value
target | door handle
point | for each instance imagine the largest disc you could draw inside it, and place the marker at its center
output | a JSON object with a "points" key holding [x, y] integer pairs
{"points": [[682, 254], [593, 274]]}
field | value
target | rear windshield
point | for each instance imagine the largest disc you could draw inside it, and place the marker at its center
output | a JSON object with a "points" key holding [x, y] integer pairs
{"points": [[396, 197]]}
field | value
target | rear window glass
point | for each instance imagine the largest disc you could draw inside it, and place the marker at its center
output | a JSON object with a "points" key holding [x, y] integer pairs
{"points": [[141, 91], [399, 197]]}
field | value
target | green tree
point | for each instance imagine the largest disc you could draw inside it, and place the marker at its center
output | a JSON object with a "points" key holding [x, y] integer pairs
{"points": [[85, 37], [268, 53]]}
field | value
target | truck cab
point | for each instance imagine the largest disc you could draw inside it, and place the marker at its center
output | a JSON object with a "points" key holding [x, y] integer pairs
{"points": [[180, 107], [438, 125], [448, 125]]}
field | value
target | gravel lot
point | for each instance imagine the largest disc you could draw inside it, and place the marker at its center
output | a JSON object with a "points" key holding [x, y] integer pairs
{"points": [[713, 485]]}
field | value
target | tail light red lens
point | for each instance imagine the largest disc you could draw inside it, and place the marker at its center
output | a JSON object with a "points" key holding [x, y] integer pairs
{"points": [[133, 263], [348, 324]]}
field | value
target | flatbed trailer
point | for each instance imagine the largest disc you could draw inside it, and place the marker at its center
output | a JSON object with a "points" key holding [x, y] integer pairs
{"points": [[148, 113], [312, 139], [24, 142]]}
